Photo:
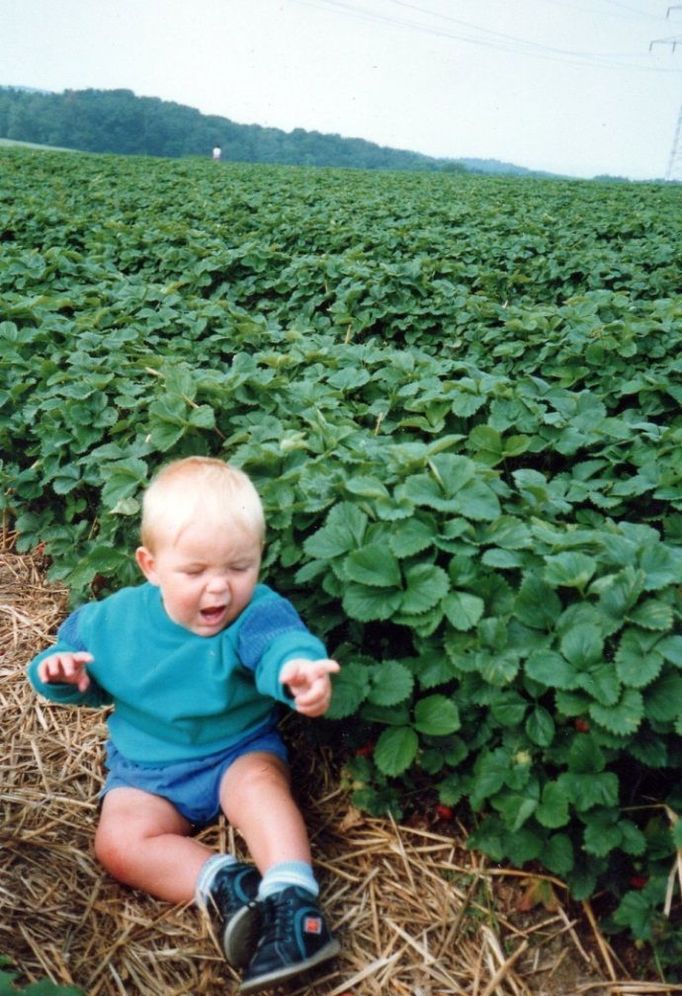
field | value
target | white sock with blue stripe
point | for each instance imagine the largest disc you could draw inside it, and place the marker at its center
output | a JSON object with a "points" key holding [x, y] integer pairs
{"points": [[206, 875], [286, 873]]}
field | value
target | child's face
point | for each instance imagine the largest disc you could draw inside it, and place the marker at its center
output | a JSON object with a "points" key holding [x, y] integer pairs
{"points": [[206, 575]]}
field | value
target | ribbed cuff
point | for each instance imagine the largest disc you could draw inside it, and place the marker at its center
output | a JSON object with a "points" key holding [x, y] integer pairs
{"points": [[287, 873], [207, 873]]}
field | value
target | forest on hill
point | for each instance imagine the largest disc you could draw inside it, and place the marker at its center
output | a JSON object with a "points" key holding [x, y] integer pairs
{"points": [[118, 121]]}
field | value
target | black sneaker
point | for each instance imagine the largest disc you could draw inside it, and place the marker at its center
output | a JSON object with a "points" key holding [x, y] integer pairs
{"points": [[232, 894], [294, 938]]}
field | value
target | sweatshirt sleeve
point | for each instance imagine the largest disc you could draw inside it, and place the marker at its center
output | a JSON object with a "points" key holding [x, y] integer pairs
{"points": [[68, 640], [272, 634]]}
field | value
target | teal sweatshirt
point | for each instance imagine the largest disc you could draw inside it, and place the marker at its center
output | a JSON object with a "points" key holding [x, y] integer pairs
{"points": [[177, 695]]}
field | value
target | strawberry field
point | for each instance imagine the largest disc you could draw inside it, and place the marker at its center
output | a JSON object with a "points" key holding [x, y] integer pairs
{"points": [[460, 400]]}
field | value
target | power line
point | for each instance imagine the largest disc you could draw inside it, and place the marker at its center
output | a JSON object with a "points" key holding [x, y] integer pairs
{"points": [[634, 10], [522, 41], [498, 40], [607, 13]]}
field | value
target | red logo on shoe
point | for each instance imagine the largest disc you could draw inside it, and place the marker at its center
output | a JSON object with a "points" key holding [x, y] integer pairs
{"points": [[312, 925]]}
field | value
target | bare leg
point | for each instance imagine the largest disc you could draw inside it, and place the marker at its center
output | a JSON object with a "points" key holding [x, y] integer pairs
{"points": [[256, 799], [143, 840]]}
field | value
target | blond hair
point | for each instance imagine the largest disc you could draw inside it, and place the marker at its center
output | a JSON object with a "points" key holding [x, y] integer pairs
{"points": [[199, 488]]}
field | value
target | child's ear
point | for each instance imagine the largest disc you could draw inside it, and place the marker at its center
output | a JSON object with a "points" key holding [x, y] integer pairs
{"points": [[145, 561]]}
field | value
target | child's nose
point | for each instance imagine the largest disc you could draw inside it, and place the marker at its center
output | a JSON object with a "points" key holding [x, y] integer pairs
{"points": [[218, 582]]}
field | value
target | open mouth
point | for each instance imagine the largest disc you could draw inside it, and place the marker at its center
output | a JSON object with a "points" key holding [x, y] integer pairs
{"points": [[212, 615]]}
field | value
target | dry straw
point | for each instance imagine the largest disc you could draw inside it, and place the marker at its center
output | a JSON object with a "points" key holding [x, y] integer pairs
{"points": [[416, 913]]}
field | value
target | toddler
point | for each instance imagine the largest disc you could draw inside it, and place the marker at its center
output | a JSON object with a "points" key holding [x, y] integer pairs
{"points": [[195, 663]]}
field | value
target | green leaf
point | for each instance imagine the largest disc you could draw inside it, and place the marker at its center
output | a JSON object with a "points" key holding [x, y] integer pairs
{"points": [[571, 703], [540, 727], [537, 604], [524, 845], [397, 715], [551, 670], [349, 689], [490, 773], [367, 487], [557, 854], [434, 668], [552, 810], [498, 668], [515, 808], [663, 698], [507, 707], [602, 834], [588, 790], [122, 480], [622, 593], [585, 756], [582, 645], [373, 565], [465, 405], [504, 559], [202, 417], [365, 603], [126, 506], [635, 911], [450, 789], [487, 443], [508, 532], [396, 749], [661, 567], [671, 648], [652, 614], [66, 480], [425, 586], [636, 664], [343, 531], [633, 840], [477, 501], [392, 683], [411, 536], [168, 421], [463, 610], [624, 717], [436, 716], [448, 473], [602, 683], [569, 570]]}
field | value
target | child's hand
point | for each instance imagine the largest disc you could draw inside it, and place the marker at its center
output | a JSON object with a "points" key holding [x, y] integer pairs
{"points": [[310, 684], [66, 668]]}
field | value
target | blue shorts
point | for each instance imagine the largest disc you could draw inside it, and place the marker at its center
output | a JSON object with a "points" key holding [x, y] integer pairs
{"points": [[192, 786]]}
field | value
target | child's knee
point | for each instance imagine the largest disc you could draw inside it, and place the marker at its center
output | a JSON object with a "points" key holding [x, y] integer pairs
{"points": [[118, 845], [112, 850], [253, 778]]}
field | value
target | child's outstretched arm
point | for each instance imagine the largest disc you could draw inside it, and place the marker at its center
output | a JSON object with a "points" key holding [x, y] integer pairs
{"points": [[66, 668], [309, 683]]}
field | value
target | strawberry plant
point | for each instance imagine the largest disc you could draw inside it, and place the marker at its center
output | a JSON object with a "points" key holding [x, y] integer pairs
{"points": [[464, 422]]}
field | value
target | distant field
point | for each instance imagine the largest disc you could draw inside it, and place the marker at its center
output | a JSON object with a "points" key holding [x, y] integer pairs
{"points": [[31, 145]]}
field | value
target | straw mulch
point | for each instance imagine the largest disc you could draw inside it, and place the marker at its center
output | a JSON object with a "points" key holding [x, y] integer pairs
{"points": [[416, 913]]}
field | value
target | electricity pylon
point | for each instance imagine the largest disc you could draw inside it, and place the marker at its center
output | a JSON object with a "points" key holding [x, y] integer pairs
{"points": [[674, 171]]}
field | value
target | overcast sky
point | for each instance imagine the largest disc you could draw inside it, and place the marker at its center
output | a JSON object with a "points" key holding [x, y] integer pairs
{"points": [[570, 86]]}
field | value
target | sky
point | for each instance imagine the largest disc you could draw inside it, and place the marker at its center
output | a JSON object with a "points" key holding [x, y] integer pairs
{"points": [[578, 87]]}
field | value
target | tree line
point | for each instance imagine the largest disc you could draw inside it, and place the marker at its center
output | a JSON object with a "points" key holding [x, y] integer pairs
{"points": [[120, 122]]}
